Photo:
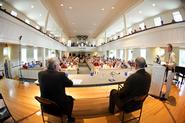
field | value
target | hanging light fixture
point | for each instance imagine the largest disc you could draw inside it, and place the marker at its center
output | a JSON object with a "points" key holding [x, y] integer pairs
{"points": [[5, 50]]}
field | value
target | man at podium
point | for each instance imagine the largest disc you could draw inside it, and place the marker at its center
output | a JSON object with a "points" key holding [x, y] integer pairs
{"points": [[170, 60], [170, 69]]}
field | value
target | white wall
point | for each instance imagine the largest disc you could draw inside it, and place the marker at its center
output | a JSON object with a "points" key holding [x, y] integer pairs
{"points": [[12, 28], [151, 39], [149, 22], [158, 37]]}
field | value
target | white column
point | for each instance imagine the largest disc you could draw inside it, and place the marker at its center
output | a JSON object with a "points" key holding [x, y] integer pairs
{"points": [[46, 22], [117, 53], [125, 23], [44, 57], [126, 54], [105, 37]]}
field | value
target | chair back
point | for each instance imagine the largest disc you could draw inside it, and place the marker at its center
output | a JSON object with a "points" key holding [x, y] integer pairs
{"points": [[48, 106], [45, 101], [134, 104], [140, 98], [179, 69]]}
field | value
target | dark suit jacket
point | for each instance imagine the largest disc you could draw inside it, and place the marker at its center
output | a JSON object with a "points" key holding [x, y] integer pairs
{"points": [[52, 85], [138, 84]]}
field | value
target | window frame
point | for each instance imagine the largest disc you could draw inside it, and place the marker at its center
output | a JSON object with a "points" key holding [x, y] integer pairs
{"points": [[157, 21]]}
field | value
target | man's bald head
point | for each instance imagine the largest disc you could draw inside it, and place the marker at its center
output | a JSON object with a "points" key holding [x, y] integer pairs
{"points": [[140, 62]]}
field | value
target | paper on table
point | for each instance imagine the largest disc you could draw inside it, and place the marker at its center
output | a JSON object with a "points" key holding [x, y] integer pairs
{"points": [[76, 81], [36, 82]]}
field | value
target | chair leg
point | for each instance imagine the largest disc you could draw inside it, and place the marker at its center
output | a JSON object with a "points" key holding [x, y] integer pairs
{"points": [[140, 114], [122, 119], [62, 119], [42, 117], [182, 80]]}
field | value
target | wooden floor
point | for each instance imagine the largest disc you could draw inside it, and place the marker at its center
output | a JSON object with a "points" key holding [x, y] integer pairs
{"points": [[91, 107]]}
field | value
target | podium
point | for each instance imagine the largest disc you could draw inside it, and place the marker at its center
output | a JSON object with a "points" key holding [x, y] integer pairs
{"points": [[157, 77]]}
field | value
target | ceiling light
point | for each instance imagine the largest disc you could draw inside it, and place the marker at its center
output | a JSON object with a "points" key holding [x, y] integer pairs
{"points": [[37, 27], [32, 6], [61, 4], [1, 4], [13, 13], [40, 15], [102, 9], [70, 7], [113, 7], [27, 21], [153, 4], [140, 12]]}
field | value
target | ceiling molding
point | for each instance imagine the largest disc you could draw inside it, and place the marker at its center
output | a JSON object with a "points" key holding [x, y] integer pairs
{"points": [[122, 7], [54, 13]]}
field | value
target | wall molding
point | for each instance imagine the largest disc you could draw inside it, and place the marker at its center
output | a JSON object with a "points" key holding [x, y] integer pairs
{"points": [[157, 37], [11, 29]]}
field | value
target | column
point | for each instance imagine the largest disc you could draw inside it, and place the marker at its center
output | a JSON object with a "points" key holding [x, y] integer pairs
{"points": [[117, 53], [105, 37], [125, 23], [46, 22], [44, 57], [126, 54]]}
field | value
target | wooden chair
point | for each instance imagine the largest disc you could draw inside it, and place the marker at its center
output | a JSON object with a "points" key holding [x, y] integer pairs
{"points": [[180, 72], [4, 112], [52, 108], [132, 105]]}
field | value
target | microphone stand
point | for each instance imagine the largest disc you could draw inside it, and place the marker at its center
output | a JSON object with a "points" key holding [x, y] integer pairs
{"points": [[21, 77]]}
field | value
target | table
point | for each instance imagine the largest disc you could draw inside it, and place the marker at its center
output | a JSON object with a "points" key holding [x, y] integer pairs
{"points": [[86, 80], [32, 73], [19, 97]]}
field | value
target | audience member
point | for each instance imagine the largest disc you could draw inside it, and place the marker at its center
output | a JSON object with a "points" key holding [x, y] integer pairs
{"points": [[101, 62], [170, 60], [137, 84], [52, 86]]}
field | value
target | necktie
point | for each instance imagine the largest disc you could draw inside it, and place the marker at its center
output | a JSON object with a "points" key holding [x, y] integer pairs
{"points": [[169, 57]]}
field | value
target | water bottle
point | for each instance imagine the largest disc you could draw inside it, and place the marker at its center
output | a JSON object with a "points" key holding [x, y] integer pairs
{"points": [[91, 73], [126, 73]]}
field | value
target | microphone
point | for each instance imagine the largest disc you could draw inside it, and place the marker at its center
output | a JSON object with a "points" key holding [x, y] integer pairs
{"points": [[115, 73], [20, 37]]}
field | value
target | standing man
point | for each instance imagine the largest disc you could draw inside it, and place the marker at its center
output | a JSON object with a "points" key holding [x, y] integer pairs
{"points": [[170, 69], [7, 69], [138, 84], [52, 86], [171, 61]]}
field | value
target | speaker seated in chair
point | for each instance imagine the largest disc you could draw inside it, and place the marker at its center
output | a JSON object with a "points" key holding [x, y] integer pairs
{"points": [[49, 107], [132, 105], [130, 97]]}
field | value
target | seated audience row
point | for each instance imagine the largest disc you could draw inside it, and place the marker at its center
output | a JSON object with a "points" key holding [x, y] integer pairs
{"points": [[101, 62], [69, 62], [33, 64]]}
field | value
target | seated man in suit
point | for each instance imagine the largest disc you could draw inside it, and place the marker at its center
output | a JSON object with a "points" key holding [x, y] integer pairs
{"points": [[52, 86], [137, 84]]}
